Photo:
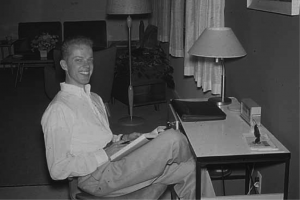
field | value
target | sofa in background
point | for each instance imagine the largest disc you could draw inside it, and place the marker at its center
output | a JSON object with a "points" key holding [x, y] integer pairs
{"points": [[27, 31], [96, 30]]}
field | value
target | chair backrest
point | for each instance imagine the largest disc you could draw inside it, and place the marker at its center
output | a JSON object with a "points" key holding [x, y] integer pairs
{"points": [[103, 74], [60, 74]]}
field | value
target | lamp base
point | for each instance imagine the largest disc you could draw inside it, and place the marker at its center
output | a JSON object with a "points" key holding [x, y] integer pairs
{"points": [[134, 121], [219, 102]]}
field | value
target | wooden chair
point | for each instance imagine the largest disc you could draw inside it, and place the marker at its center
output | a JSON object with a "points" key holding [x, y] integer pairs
{"points": [[151, 192]]}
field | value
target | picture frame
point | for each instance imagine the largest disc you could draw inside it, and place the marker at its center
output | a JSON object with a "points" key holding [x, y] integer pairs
{"points": [[286, 7]]}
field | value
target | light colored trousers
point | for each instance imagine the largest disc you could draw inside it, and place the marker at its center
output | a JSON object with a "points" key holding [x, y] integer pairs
{"points": [[167, 159]]}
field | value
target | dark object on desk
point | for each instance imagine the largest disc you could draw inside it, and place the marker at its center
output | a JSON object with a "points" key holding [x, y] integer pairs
{"points": [[190, 111], [256, 134]]}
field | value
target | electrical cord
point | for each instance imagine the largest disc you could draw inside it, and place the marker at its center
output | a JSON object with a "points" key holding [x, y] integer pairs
{"points": [[252, 184]]}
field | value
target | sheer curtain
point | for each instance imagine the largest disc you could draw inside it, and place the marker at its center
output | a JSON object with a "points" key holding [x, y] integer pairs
{"points": [[200, 15], [181, 22], [168, 16]]}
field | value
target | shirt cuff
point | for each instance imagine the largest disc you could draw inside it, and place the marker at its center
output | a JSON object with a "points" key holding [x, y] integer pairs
{"points": [[101, 157]]}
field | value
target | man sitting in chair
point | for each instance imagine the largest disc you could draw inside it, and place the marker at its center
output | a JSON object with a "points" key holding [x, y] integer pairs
{"points": [[79, 142]]}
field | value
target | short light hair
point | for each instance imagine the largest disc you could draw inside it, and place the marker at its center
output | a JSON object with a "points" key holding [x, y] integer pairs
{"points": [[76, 40]]}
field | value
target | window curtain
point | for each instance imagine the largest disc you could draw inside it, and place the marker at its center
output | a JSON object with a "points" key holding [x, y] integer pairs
{"points": [[200, 15], [181, 22], [168, 16]]}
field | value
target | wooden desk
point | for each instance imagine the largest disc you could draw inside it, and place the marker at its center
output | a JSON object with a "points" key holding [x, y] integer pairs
{"points": [[221, 142]]}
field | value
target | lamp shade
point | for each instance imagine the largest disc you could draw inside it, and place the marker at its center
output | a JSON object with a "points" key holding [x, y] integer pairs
{"points": [[128, 7], [217, 42]]}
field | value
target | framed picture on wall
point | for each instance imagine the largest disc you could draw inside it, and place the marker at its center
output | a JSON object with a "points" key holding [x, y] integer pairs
{"points": [[286, 7]]}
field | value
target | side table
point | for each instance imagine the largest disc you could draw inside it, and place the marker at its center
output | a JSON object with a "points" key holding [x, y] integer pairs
{"points": [[29, 61]]}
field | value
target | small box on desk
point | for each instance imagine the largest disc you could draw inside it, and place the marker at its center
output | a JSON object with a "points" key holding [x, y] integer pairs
{"points": [[250, 111]]}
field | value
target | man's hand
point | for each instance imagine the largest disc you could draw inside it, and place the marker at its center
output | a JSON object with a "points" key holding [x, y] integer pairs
{"points": [[131, 136], [113, 147], [155, 132]]}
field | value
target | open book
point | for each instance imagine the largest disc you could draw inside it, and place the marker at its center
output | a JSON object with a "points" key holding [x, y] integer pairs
{"points": [[265, 143], [133, 145]]}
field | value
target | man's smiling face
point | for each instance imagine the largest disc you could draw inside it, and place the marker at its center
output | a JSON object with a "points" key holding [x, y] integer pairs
{"points": [[78, 65]]}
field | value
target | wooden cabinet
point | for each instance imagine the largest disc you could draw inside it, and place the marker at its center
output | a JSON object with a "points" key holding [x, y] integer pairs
{"points": [[146, 92]]}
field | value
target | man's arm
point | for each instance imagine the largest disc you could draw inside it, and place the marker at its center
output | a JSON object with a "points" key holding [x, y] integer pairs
{"points": [[62, 163]]}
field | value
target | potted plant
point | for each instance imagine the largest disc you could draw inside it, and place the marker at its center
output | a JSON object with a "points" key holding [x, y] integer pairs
{"points": [[147, 64], [44, 43], [151, 74]]}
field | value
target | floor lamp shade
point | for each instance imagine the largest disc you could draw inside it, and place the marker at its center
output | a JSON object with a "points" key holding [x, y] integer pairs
{"points": [[218, 43], [129, 7]]}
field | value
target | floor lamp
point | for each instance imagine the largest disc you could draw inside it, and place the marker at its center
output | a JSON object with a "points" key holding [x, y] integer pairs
{"points": [[218, 43], [129, 7]]}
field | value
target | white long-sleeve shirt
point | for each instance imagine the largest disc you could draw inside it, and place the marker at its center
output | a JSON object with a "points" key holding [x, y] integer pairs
{"points": [[76, 129]]}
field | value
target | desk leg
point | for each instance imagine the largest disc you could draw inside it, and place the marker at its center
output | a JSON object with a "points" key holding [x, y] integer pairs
{"points": [[198, 180], [286, 179], [247, 178]]}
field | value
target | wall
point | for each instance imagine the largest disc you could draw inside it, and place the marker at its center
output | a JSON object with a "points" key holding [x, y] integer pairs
{"points": [[269, 74], [14, 11], [186, 87]]}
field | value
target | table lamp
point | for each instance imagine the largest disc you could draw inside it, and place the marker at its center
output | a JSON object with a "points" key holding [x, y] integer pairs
{"points": [[218, 43], [129, 7]]}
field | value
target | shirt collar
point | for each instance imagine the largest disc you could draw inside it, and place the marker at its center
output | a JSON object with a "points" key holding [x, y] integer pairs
{"points": [[75, 89]]}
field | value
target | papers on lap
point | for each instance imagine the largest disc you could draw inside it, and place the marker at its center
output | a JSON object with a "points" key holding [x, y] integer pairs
{"points": [[133, 145], [265, 143]]}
